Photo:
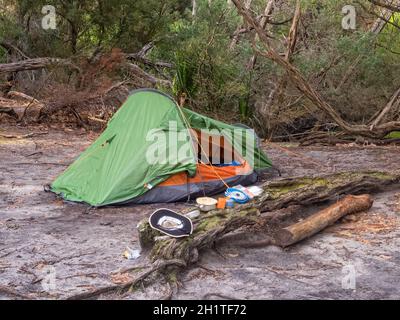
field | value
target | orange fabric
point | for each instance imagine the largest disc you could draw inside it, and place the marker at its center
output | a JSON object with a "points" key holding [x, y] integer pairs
{"points": [[206, 173]]}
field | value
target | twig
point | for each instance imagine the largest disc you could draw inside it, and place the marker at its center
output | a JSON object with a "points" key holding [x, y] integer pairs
{"points": [[34, 153], [97, 119]]}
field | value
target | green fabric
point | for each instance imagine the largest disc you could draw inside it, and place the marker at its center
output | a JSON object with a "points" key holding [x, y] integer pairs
{"points": [[233, 135], [115, 169]]}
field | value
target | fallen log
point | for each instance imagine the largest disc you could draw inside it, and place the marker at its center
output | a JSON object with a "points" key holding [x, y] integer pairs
{"points": [[164, 252], [277, 195], [36, 63], [311, 190], [319, 221], [136, 71]]}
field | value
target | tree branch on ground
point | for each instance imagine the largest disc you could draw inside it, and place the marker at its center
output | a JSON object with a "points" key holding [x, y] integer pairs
{"points": [[140, 56], [36, 63]]}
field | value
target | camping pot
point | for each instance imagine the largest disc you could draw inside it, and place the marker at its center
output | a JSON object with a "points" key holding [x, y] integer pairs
{"points": [[206, 203]]}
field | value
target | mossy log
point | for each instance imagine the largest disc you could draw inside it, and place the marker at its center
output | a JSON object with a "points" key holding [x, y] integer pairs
{"points": [[311, 190], [277, 194], [207, 229]]}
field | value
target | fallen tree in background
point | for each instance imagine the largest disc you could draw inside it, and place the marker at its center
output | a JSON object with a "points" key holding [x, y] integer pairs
{"points": [[36, 63], [298, 79]]}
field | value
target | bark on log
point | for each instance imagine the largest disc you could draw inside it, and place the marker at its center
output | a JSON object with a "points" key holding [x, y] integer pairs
{"points": [[277, 194], [23, 96], [319, 221], [36, 63], [311, 190], [135, 70]]}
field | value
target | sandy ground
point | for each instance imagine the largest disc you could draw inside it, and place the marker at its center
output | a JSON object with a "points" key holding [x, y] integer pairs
{"points": [[53, 249]]}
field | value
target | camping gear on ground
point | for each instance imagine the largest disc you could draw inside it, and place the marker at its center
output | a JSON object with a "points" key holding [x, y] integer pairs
{"points": [[171, 223], [242, 194], [192, 214], [230, 203], [221, 203], [127, 164], [131, 254], [238, 194], [206, 204]]}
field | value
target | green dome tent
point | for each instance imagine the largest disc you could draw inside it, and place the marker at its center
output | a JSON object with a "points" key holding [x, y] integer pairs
{"points": [[148, 154]]}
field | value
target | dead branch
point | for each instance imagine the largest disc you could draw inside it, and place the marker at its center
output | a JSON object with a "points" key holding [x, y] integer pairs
{"points": [[10, 47], [36, 63], [307, 191], [140, 56], [382, 19], [239, 29], [102, 121], [16, 94], [138, 72], [394, 100], [146, 61], [269, 8]]}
